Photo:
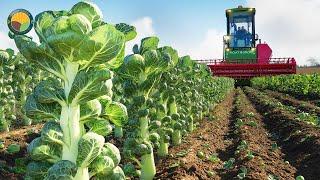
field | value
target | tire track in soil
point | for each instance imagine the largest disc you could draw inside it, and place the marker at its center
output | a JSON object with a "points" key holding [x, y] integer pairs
{"points": [[211, 137], [267, 161], [299, 141]]}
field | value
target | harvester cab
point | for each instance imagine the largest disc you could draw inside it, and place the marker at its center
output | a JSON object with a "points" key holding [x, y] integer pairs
{"points": [[244, 56], [240, 41]]}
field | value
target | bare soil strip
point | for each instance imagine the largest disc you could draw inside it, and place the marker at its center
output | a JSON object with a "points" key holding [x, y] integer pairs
{"points": [[267, 160], [211, 138], [298, 140], [22, 137], [299, 104]]}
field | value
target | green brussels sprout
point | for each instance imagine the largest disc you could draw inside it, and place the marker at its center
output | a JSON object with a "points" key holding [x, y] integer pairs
{"points": [[178, 126], [139, 100], [143, 112], [155, 124], [130, 170], [166, 119], [142, 149], [154, 137], [117, 174], [299, 178], [175, 116], [169, 131]]}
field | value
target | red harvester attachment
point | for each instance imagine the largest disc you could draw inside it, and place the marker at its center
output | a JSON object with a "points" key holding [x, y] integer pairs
{"points": [[271, 66], [243, 58]]}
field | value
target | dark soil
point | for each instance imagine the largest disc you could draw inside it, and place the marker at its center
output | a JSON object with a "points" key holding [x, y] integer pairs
{"points": [[267, 160], [298, 140], [21, 136], [212, 137]]}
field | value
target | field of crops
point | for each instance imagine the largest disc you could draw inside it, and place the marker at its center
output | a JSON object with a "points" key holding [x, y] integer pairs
{"points": [[75, 107]]}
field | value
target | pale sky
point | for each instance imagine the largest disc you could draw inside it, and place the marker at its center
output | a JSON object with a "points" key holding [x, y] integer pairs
{"points": [[196, 28]]}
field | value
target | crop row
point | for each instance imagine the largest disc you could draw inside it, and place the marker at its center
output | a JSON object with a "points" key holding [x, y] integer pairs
{"points": [[306, 85], [149, 99], [292, 134], [302, 106], [259, 156], [17, 79]]}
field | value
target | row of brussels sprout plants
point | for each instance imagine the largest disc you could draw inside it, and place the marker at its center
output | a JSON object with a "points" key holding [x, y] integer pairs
{"points": [[303, 85], [147, 100], [17, 78]]}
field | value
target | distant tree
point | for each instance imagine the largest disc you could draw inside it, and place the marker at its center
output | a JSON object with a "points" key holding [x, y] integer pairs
{"points": [[313, 61]]}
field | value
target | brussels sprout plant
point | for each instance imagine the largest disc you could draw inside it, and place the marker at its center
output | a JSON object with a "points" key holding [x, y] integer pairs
{"points": [[78, 49], [140, 73]]}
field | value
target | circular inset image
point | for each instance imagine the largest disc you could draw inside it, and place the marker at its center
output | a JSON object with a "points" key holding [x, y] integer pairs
{"points": [[20, 21]]}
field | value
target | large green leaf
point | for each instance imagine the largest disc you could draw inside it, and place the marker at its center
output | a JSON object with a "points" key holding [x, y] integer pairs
{"points": [[116, 62], [172, 53], [89, 85], [104, 44], [49, 91], [67, 39], [41, 111], [63, 169], [149, 43], [90, 11], [90, 110], [90, 146], [37, 170], [42, 151], [116, 113], [52, 133], [155, 62], [129, 31], [132, 67], [42, 23], [102, 165], [99, 126], [41, 55], [113, 152]]}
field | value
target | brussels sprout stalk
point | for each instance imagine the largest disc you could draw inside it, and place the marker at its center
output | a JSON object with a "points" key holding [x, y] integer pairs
{"points": [[70, 118], [190, 125], [148, 168], [144, 125], [82, 174], [163, 148], [70, 126], [176, 137]]}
